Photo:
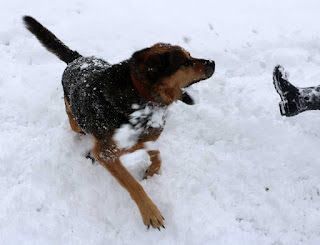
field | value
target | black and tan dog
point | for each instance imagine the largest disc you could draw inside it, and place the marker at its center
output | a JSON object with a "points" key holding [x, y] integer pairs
{"points": [[100, 98]]}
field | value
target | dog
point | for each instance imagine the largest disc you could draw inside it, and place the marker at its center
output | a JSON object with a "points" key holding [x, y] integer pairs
{"points": [[102, 99]]}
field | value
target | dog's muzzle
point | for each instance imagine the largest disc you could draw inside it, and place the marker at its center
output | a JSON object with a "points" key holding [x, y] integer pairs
{"points": [[210, 67]]}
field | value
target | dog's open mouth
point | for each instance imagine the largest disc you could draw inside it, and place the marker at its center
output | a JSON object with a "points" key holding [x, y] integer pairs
{"points": [[209, 68], [195, 81]]}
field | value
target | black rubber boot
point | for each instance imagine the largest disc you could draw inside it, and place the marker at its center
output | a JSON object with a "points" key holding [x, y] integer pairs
{"points": [[294, 100]]}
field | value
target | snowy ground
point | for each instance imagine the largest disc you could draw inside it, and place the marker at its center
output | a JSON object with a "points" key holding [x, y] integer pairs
{"points": [[234, 171]]}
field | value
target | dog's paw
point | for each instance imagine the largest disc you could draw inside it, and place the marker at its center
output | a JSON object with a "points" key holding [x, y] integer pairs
{"points": [[151, 216], [146, 174], [151, 171], [89, 156]]}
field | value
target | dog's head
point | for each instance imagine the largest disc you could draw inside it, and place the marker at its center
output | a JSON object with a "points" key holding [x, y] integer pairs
{"points": [[164, 70]]}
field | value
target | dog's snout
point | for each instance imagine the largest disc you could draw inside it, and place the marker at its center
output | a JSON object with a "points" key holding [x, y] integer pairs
{"points": [[210, 67], [212, 64]]}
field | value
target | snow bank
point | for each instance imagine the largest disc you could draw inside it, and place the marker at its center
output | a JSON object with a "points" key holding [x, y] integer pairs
{"points": [[234, 171]]}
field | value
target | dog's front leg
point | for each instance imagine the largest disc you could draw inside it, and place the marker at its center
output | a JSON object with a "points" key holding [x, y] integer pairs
{"points": [[155, 163], [108, 156]]}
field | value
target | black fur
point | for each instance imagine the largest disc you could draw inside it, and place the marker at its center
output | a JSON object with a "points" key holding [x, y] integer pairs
{"points": [[163, 65], [50, 41], [186, 98], [126, 99], [101, 95]]}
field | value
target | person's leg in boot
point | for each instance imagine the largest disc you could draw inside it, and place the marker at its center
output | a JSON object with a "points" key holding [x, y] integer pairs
{"points": [[294, 100]]}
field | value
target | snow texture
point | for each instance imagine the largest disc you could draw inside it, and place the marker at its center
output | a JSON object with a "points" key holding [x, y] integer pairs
{"points": [[234, 171], [151, 116]]}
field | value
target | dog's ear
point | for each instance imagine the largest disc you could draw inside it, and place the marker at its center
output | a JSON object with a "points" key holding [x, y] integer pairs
{"points": [[139, 56], [158, 64], [154, 67], [186, 98], [151, 64], [164, 64]]}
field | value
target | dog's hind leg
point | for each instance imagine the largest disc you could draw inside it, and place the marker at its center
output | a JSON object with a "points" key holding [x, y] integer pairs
{"points": [[108, 155], [155, 163], [73, 123]]}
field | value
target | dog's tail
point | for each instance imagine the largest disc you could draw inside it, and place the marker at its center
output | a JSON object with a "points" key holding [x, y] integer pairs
{"points": [[50, 41]]}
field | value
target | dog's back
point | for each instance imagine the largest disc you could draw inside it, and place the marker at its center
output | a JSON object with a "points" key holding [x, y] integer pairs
{"points": [[92, 96], [93, 88], [83, 71]]}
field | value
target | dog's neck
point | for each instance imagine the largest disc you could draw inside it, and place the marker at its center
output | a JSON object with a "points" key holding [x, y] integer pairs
{"points": [[143, 86], [142, 90]]}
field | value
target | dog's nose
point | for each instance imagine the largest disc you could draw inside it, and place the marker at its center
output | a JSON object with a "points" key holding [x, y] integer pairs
{"points": [[210, 67]]}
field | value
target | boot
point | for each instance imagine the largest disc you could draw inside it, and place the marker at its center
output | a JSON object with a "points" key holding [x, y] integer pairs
{"points": [[294, 100]]}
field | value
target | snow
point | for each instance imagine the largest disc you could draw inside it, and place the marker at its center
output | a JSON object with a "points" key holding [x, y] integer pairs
{"points": [[234, 171], [84, 66], [150, 116]]}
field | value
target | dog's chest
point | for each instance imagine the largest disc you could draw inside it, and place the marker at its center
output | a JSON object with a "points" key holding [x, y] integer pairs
{"points": [[148, 115], [145, 123]]}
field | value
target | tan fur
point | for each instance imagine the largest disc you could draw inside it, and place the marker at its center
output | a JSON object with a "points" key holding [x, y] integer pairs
{"points": [[162, 47], [108, 155], [74, 125], [170, 87], [155, 164], [142, 79], [106, 150]]}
